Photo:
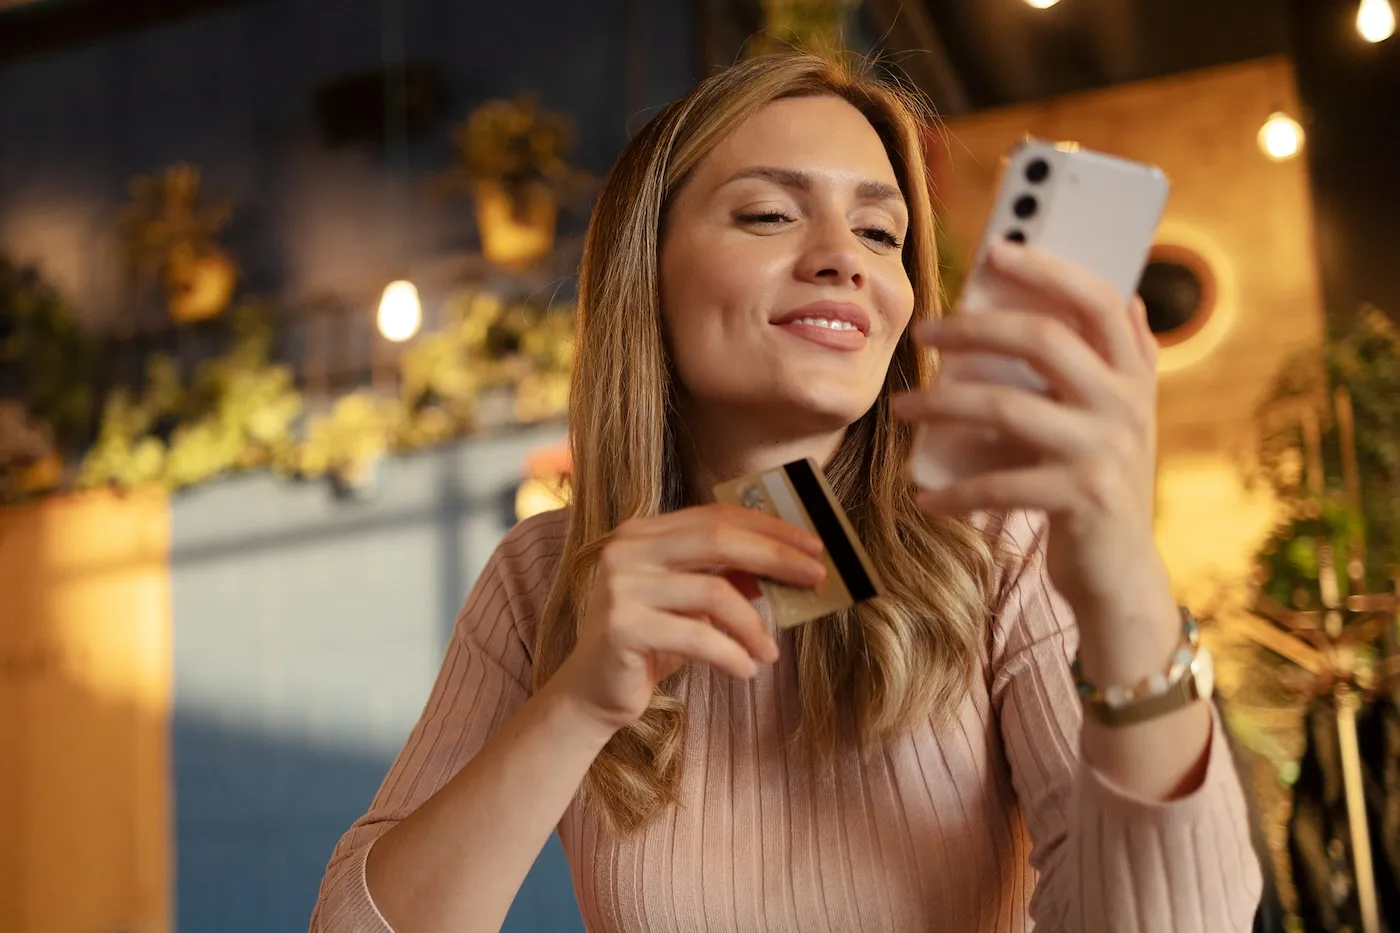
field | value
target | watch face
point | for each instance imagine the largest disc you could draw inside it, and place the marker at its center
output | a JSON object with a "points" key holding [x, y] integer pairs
{"points": [[1204, 674]]}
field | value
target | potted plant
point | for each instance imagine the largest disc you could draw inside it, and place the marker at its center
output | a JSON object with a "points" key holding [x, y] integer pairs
{"points": [[47, 362], [169, 233], [512, 155]]}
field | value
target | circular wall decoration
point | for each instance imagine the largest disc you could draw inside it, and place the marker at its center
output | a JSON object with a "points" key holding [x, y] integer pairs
{"points": [[1179, 291]]}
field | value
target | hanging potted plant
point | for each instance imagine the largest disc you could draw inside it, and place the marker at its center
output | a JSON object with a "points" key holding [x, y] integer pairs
{"points": [[169, 233], [512, 156]]}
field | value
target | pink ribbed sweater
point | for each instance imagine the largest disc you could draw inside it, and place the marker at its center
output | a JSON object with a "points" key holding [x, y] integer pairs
{"points": [[990, 826]]}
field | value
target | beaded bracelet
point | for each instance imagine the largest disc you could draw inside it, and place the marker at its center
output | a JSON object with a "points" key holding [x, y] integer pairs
{"points": [[1117, 697]]}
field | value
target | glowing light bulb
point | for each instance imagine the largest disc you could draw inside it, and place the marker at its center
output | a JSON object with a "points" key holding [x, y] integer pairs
{"points": [[400, 313], [1375, 20], [1042, 4], [1280, 137]]}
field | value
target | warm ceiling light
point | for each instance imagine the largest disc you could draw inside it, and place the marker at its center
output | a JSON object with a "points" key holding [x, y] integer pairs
{"points": [[400, 313], [1375, 20], [1042, 4], [1280, 137]]}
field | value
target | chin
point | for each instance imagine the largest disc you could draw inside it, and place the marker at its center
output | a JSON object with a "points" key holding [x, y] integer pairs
{"points": [[828, 411]]}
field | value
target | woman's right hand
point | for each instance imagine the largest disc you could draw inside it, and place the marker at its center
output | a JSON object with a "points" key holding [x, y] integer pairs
{"points": [[657, 603]]}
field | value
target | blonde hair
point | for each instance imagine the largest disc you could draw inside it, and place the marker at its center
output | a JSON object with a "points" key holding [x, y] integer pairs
{"points": [[892, 662]]}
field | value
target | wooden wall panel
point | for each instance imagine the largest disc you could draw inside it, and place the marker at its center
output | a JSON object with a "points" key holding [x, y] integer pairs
{"points": [[85, 676], [1248, 217]]}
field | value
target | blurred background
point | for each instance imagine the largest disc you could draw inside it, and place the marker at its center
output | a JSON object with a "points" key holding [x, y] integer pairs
{"points": [[286, 295]]}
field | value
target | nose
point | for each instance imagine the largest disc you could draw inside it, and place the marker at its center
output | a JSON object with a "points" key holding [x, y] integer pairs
{"points": [[831, 256]]}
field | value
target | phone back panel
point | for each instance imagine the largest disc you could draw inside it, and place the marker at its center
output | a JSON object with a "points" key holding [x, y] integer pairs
{"points": [[1097, 211], [1093, 210]]}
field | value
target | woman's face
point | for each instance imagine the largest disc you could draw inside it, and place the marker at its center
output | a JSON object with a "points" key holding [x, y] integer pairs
{"points": [[782, 285]]}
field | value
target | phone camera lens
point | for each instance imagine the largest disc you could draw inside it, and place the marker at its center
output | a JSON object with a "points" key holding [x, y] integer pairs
{"points": [[1016, 236], [1037, 171], [1025, 206]]}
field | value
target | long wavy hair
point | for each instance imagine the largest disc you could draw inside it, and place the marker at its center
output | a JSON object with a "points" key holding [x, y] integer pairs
{"points": [[866, 674]]}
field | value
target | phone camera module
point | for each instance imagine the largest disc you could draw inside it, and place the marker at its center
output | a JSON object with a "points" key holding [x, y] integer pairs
{"points": [[1037, 171], [1025, 206], [1016, 236]]}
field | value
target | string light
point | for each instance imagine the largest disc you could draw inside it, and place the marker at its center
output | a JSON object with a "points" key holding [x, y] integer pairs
{"points": [[400, 312], [1375, 20], [1042, 4], [1280, 137]]}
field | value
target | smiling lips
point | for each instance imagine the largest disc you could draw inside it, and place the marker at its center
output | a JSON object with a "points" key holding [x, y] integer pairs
{"points": [[837, 325]]}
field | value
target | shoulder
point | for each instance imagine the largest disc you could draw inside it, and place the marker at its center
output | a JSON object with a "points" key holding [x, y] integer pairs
{"points": [[1017, 539], [534, 543], [526, 561], [1025, 607]]}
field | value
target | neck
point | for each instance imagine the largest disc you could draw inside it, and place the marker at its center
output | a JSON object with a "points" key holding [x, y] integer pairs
{"points": [[721, 445]]}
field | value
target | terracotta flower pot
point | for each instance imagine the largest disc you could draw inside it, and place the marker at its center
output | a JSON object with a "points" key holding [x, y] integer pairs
{"points": [[200, 287], [515, 235]]}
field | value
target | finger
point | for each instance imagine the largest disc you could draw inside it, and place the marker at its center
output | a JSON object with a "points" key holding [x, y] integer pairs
{"points": [[747, 519], [745, 583], [712, 597], [664, 632], [1074, 370], [1043, 488], [1142, 328], [707, 545], [1040, 423], [1093, 304]]}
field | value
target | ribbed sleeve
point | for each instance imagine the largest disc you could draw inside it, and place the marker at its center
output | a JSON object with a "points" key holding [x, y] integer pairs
{"points": [[987, 824], [485, 677], [1108, 862]]}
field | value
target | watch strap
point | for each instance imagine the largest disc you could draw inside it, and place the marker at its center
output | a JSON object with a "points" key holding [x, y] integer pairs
{"points": [[1189, 676]]}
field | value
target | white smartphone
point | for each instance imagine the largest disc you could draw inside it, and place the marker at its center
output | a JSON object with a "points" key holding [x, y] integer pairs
{"points": [[1097, 211]]}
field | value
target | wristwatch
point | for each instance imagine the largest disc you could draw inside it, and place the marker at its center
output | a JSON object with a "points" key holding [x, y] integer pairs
{"points": [[1190, 676]]}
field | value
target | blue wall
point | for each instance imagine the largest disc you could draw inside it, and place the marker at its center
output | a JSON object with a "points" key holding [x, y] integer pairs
{"points": [[232, 90], [308, 632]]}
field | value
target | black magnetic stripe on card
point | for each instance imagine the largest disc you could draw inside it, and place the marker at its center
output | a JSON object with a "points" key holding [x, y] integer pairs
{"points": [[829, 529]]}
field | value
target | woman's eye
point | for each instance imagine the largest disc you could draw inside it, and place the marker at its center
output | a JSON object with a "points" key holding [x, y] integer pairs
{"points": [[764, 218], [883, 237]]}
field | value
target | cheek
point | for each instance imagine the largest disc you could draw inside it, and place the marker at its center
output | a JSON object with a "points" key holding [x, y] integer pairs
{"points": [[896, 298], [711, 285]]}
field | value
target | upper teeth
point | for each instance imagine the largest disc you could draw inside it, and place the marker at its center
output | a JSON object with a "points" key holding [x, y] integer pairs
{"points": [[823, 322]]}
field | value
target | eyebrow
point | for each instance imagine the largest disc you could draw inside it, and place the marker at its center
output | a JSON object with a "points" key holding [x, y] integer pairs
{"points": [[867, 190]]}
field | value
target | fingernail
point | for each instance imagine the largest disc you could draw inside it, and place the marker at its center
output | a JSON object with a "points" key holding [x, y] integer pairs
{"points": [[771, 652], [816, 572], [813, 543]]}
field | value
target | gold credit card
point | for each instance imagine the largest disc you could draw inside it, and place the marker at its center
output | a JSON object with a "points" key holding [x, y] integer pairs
{"points": [[798, 493]]}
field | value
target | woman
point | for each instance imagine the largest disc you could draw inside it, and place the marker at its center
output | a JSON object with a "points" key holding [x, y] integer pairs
{"points": [[759, 274]]}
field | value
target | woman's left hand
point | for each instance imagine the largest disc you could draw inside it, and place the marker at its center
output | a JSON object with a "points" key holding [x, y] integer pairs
{"points": [[1092, 438]]}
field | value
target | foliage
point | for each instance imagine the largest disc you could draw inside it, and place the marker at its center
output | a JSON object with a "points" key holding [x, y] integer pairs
{"points": [[520, 146], [28, 463], [47, 359], [815, 25], [238, 413], [489, 345], [242, 411], [347, 444], [167, 230], [1290, 562], [1362, 355], [1297, 422], [166, 216]]}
